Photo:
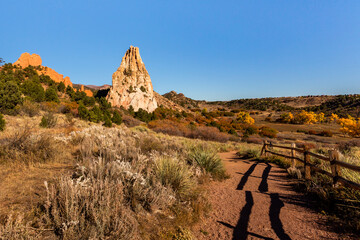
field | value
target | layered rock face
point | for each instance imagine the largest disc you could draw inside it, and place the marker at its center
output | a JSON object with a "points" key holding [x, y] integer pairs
{"points": [[131, 84], [26, 60]]}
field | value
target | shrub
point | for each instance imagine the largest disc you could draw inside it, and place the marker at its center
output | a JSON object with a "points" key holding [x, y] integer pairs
{"points": [[49, 120], [249, 130], [2, 122], [83, 112], [286, 118], [93, 211], [10, 96], [116, 118], [350, 126], [143, 115], [346, 146], [249, 153], [129, 121], [29, 108], [190, 131], [51, 95], [107, 121], [326, 133], [61, 87], [88, 101], [95, 114], [34, 90], [244, 117], [209, 162], [268, 132], [305, 117], [70, 91]]}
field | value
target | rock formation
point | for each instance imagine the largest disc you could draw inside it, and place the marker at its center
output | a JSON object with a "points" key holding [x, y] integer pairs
{"points": [[88, 92], [131, 84], [26, 60]]}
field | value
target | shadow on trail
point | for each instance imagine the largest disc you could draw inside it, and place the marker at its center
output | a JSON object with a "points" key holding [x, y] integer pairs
{"points": [[240, 230], [263, 187], [245, 178], [274, 214]]}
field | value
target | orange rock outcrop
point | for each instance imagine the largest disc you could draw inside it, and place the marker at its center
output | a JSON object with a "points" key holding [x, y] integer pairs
{"points": [[88, 92], [26, 60]]}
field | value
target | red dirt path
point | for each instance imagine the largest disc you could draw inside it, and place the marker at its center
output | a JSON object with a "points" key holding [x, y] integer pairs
{"points": [[259, 204]]}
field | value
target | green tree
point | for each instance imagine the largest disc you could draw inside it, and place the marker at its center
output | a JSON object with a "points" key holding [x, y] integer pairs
{"points": [[51, 95], [104, 104], [143, 115], [96, 114], [117, 119], [131, 110], [70, 91], [89, 101], [83, 112], [61, 87], [107, 121], [2, 123], [34, 90], [10, 95]]}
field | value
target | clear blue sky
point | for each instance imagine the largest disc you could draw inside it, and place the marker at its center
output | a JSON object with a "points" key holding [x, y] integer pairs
{"points": [[213, 50]]}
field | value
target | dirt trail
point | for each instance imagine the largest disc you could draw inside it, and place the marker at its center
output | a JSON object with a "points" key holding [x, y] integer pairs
{"points": [[258, 202]]}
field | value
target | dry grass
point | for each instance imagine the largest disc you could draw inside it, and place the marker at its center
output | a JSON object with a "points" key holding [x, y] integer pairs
{"points": [[135, 176]]}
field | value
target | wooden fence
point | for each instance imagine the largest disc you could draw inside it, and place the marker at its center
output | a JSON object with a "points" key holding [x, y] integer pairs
{"points": [[335, 163]]}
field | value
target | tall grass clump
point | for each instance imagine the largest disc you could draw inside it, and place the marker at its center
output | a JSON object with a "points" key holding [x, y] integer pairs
{"points": [[209, 162], [175, 174]]}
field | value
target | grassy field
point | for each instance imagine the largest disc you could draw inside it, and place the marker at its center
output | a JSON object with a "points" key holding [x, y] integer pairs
{"points": [[73, 179], [76, 178]]}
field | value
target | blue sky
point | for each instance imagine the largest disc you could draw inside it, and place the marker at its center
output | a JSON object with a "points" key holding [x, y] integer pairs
{"points": [[212, 50]]}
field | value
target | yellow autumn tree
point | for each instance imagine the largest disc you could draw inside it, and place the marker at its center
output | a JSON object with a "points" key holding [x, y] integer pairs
{"points": [[286, 117], [320, 117], [350, 126], [244, 117], [305, 117], [334, 117]]}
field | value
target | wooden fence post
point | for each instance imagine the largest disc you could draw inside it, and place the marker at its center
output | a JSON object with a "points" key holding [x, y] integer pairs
{"points": [[293, 161], [264, 149], [335, 169], [307, 164]]}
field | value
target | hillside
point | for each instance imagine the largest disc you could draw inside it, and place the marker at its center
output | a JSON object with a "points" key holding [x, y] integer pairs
{"points": [[339, 104]]}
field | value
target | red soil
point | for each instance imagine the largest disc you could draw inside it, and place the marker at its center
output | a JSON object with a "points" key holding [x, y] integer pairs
{"points": [[260, 204]]}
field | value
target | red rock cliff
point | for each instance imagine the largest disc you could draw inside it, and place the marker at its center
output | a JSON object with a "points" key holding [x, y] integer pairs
{"points": [[26, 60]]}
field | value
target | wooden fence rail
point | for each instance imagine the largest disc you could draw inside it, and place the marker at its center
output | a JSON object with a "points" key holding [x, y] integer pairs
{"points": [[335, 163]]}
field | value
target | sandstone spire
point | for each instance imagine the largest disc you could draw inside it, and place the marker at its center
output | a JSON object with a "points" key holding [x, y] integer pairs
{"points": [[131, 84]]}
